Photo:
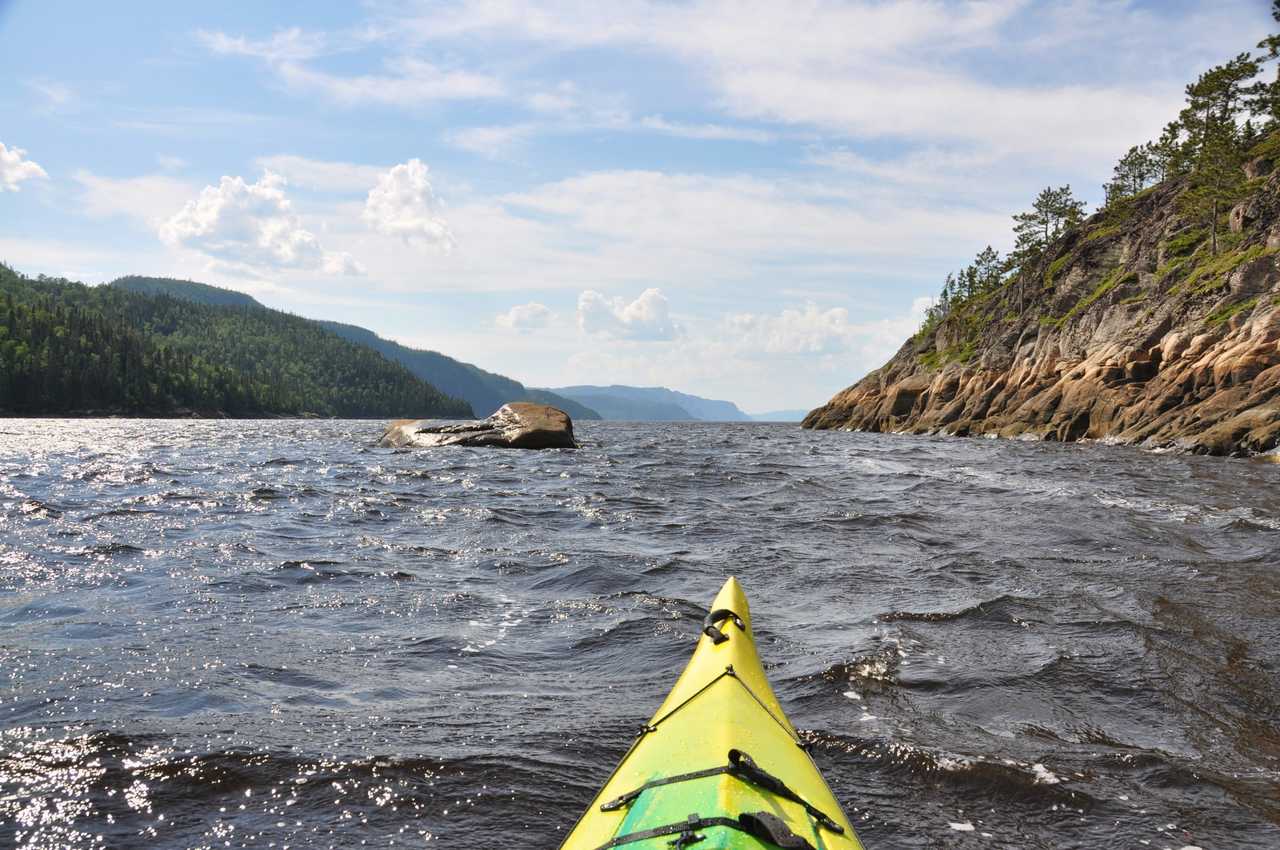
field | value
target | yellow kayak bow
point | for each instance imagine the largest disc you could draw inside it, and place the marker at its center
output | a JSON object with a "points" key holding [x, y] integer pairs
{"points": [[719, 765]]}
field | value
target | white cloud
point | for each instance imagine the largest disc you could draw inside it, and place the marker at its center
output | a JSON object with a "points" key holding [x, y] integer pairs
{"points": [[291, 45], [407, 81], [719, 132], [402, 204], [251, 225], [904, 70], [150, 198], [524, 317], [689, 227], [15, 168], [807, 331], [813, 331], [187, 121], [646, 318], [562, 98], [322, 175], [56, 95], [492, 142]]}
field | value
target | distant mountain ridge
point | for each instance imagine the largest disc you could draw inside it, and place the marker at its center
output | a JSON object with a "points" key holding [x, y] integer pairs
{"points": [[652, 404], [484, 391]]}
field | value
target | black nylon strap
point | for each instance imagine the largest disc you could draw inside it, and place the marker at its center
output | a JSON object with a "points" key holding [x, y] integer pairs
{"points": [[746, 768], [630, 797], [672, 829], [743, 767]]}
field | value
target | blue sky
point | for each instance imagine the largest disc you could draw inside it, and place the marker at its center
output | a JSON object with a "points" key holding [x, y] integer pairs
{"points": [[747, 200]]}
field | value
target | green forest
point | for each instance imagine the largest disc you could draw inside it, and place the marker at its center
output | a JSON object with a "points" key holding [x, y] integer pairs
{"points": [[67, 348]]}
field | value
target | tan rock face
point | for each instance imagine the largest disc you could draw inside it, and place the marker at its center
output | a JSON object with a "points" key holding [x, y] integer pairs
{"points": [[519, 425], [1183, 352]]}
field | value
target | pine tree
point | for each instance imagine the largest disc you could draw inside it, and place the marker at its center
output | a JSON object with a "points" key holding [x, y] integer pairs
{"points": [[1053, 211], [1214, 104], [1133, 173], [1263, 98], [988, 268], [1216, 180], [1168, 153]]}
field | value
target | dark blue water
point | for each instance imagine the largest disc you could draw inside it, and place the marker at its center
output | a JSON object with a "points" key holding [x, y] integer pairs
{"points": [[270, 634]]}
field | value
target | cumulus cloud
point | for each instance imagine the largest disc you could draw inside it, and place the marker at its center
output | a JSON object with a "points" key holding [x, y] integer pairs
{"points": [[807, 331], [403, 204], [525, 317], [811, 330], [646, 318], [15, 168], [321, 175], [252, 225]]}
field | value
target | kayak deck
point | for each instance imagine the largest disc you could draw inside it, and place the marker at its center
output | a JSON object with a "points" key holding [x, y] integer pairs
{"points": [[719, 765]]}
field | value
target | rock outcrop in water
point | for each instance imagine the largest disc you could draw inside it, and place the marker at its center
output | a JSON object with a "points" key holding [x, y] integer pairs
{"points": [[1130, 329], [519, 425]]}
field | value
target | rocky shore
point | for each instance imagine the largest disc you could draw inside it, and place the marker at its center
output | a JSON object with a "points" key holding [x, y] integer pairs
{"points": [[1130, 329]]}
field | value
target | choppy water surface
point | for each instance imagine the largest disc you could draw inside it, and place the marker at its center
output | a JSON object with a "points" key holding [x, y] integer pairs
{"points": [[270, 634]]}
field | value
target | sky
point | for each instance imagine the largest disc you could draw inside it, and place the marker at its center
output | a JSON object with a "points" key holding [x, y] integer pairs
{"points": [[739, 199]]}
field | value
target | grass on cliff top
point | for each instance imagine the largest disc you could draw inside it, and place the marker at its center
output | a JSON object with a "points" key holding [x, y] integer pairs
{"points": [[1102, 232], [1222, 315], [1211, 273], [1051, 273], [1113, 221], [1184, 243], [961, 353], [1117, 277]]}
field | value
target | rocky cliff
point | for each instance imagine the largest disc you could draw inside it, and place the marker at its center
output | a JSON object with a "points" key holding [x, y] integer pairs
{"points": [[1129, 329]]}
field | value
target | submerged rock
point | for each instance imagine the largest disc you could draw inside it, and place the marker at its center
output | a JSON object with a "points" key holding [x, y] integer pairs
{"points": [[518, 425]]}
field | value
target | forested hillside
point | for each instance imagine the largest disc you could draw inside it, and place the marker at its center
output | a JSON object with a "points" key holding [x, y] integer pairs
{"points": [[67, 348], [201, 293], [484, 391]]}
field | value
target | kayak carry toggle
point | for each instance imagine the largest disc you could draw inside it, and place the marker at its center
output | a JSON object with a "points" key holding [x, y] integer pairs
{"points": [[709, 624]]}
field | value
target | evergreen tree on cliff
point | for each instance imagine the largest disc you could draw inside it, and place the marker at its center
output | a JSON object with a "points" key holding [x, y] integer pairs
{"points": [[1211, 118], [1264, 97], [1135, 171], [1053, 211]]}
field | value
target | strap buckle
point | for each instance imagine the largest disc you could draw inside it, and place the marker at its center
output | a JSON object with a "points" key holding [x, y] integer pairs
{"points": [[709, 624]]}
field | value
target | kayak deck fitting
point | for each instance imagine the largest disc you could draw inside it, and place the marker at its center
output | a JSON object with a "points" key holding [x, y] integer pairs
{"points": [[719, 765]]}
